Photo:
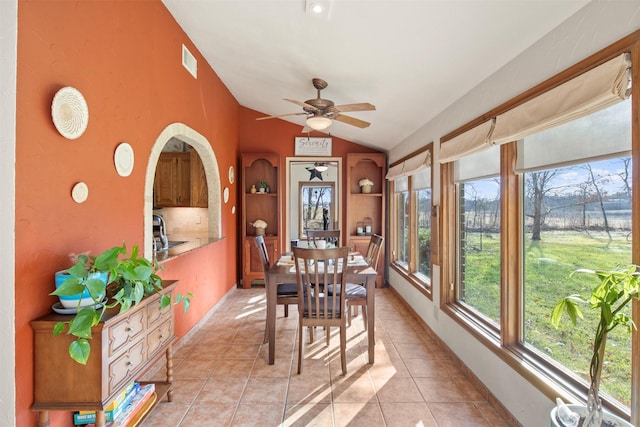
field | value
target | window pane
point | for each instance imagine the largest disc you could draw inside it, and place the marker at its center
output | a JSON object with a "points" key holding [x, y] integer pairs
{"points": [[479, 246], [402, 204], [576, 217], [424, 232]]}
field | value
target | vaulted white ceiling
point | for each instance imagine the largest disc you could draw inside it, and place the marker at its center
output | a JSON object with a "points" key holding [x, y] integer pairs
{"points": [[411, 59]]}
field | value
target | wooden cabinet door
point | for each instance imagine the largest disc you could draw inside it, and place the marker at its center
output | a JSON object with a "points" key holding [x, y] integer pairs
{"points": [[199, 188], [252, 268], [183, 183], [172, 184], [164, 194]]}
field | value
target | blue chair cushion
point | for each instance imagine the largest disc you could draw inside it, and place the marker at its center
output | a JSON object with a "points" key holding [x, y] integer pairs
{"points": [[352, 291]]}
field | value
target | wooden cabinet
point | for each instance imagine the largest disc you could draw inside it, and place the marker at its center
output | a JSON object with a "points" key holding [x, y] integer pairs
{"points": [[124, 346], [264, 206], [180, 181], [366, 209]]}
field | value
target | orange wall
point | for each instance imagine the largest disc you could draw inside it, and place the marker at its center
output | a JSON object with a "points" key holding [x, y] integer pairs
{"points": [[125, 58]]}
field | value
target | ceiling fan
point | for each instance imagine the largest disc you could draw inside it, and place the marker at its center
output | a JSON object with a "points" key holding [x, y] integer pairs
{"points": [[320, 112]]}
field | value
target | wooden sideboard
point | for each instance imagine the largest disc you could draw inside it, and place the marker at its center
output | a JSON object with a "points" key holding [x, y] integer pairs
{"points": [[123, 347]]}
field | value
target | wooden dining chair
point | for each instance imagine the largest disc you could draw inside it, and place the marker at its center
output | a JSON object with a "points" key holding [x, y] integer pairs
{"points": [[315, 307], [287, 293], [356, 293], [332, 237]]}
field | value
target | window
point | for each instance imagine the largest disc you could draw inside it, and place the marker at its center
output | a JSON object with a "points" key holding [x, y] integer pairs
{"points": [[478, 260], [421, 183], [317, 207], [577, 214], [402, 221], [412, 208]]}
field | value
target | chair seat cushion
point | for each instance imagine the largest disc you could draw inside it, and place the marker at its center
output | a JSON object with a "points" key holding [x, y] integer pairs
{"points": [[287, 289], [352, 291], [323, 300]]}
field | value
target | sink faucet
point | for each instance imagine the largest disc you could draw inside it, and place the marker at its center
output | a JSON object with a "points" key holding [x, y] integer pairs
{"points": [[160, 240]]}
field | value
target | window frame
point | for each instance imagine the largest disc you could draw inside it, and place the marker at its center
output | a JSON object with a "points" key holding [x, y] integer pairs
{"points": [[410, 271], [548, 376]]}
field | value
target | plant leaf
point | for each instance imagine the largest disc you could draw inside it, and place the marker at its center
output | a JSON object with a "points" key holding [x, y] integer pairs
{"points": [[81, 324], [59, 328], [79, 350], [96, 288], [108, 259], [71, 286]]}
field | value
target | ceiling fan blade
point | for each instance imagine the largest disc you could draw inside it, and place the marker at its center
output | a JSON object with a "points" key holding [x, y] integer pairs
{"points": [[363, 106], [279, 115], [302, 104], [351, 121]]}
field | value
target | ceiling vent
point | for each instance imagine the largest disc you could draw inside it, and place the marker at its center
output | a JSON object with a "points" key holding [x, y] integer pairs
{"points": [[189, 62]]}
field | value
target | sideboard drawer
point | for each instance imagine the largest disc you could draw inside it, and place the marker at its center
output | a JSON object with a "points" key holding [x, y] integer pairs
{"points": [[121, 370], [155, 315], [158, 337], [126, 331]]}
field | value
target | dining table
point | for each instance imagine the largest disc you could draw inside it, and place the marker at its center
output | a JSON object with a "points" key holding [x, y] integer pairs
{"points": [[284, 271]]}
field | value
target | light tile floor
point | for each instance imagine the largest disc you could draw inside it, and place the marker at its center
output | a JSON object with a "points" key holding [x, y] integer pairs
{"points": [[221, 377]]}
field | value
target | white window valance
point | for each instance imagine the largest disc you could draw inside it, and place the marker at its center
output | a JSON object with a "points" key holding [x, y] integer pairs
{"points": [[604, 134], [479, 165], [410, 166], [473, 140], [592, 91]]}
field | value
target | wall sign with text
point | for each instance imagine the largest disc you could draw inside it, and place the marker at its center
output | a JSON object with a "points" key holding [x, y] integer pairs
{"points": [[312, 146]]}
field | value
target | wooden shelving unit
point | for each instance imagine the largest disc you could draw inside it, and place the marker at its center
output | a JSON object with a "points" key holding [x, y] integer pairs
{"points": [[264, 206], [366, 208]]}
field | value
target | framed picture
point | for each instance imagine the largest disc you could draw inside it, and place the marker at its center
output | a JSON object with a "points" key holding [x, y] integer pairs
{"points": [[312, 146]]}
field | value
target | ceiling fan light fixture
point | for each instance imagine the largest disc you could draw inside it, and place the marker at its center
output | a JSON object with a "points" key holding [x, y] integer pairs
{"points": [[318, 122], [321, 167]]}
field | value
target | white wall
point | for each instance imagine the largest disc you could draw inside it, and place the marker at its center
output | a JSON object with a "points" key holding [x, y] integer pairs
{"points": [[594, 27], [8, 59]]}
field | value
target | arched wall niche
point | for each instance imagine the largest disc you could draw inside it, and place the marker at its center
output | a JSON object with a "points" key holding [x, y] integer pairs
{"points": [[212, 172]]}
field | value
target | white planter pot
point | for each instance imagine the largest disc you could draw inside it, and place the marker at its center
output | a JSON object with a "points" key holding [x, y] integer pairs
{"points": [[582, 411]]}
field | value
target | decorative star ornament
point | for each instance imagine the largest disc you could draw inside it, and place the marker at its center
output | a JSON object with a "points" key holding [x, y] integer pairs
{"points": [[315, 174]]}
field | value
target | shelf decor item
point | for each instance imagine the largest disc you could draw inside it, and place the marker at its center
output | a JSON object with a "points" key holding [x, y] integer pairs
{"points": [[368, 226], [365, 185], [615, 290], [260, 227], [262, 186]]}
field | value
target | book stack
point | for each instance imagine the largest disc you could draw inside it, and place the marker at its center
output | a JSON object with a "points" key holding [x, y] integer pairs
{"points": [[125, 410]]}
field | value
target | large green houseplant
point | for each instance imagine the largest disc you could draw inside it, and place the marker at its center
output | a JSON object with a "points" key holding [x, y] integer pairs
{"points": [[130, 278], [615, 290]]}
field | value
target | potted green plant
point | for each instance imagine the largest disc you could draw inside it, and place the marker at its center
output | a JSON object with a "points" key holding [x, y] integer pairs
{"points": [[130, 278], [615, 290], [262, 186]]}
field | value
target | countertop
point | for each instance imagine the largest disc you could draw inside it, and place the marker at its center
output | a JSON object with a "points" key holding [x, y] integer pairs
{"points": [[192, 243]]}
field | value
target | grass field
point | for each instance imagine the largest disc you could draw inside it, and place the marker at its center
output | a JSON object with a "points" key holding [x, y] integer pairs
{"points": [[548, 267]]}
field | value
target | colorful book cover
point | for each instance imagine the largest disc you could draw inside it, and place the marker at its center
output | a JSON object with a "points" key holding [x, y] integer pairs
{"points": [[144, 394], [88, 417]]}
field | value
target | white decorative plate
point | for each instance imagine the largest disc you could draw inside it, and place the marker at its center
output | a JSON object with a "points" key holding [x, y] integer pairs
{"points": [[232, 175], [80, 192], [123, 159], [233, 209], [226, 194], [70, 112]]}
